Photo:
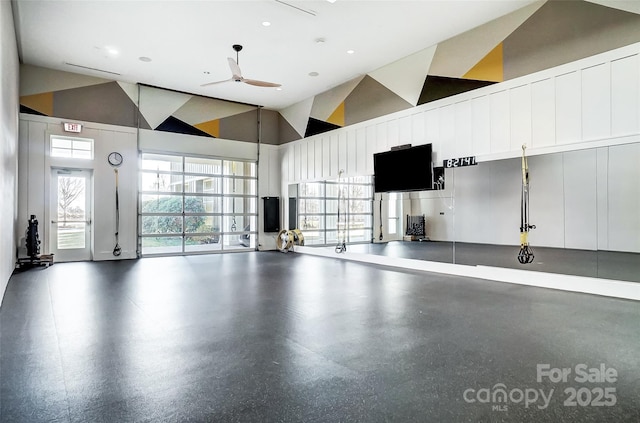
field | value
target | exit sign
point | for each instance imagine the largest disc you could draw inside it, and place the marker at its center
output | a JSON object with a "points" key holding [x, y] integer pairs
{"points": [[72, 127]]}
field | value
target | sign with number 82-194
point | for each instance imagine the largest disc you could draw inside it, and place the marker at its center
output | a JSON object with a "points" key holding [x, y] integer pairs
{"points": [[460, 162]]}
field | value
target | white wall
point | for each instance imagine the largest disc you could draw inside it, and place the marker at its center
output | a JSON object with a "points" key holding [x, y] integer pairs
{"points": [[35, 182], [268, 186], [587, 104], [9, 77]]}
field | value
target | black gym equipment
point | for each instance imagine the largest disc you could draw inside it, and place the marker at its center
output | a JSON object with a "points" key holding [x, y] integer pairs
{"points": [[115, 160], [32, 241], [380, 236], [525, 256], [341, 247]]}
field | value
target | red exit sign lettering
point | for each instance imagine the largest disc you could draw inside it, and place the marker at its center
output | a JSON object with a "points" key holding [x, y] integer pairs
{"points": [[72, 127]]}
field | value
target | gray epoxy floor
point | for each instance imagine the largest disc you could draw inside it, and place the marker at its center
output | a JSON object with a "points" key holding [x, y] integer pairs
{"points": [[271, 337], [597, 264]]}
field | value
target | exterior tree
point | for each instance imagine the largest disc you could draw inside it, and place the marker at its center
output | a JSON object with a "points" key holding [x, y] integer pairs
{"points": [[173, 224], [69, 189]]}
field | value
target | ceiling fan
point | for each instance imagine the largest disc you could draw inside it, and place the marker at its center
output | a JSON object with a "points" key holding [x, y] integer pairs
{"points": [[236, 73]]}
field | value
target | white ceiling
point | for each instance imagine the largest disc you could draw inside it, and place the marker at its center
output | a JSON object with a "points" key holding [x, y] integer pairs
{"points": [[187, 38]]}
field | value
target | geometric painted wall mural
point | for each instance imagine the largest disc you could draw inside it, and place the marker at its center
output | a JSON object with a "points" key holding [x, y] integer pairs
{"points": [[538, 36]]}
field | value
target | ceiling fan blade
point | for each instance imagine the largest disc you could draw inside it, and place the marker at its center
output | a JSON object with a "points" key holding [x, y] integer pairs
{"points": [[235, 69], [215, 83], [260, 83]]}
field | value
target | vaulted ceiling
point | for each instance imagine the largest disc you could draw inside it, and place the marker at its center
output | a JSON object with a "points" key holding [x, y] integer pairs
{"points": [[181, 45]]}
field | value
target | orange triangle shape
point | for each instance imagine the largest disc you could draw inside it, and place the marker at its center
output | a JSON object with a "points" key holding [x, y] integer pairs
{"points": [[42, 103], [490, 68], [337, 117], [211, 127]]}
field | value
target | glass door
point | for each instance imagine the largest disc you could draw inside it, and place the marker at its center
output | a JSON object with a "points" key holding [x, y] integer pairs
{"points": [[393, 213], [70, 215]]}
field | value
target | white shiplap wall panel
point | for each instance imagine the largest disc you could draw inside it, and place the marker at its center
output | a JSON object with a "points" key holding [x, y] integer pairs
{"points": [[297, 162], [405, 131], [334, 159], [463, 131], [370, 137], [596, 102], [481, 124], [432, 133], [351, 167], [418, 135], [304, 160], [318, 156], [543, 113], [381, 137], [326, 156], [500, 125], [393, 134], [447, 131], [343, 159], [311, 159], [520, 106], [361, 151], [625, 96], [568, 108], [37, 194]]}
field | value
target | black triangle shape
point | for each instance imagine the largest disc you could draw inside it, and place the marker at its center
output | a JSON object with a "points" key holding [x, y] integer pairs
{"points": [[315, 127], [172, 124], [30, 111], [437, 87]]}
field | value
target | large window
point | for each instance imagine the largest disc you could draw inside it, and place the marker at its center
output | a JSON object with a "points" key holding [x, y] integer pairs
{"points": [[196, 204], [326, 209]]}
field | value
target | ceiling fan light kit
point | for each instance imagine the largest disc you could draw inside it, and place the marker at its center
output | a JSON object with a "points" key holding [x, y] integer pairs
{"points": [[236, 73]]}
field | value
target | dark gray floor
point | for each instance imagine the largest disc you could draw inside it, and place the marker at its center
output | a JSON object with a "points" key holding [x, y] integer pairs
{"points": [[271, 337], [597, 264]]}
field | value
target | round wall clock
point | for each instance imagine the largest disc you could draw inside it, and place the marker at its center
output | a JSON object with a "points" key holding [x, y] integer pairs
{"points": [[115, 159]]}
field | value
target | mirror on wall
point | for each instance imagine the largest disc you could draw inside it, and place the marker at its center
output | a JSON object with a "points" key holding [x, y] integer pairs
{"points": [[584, 205], [332, 211]]}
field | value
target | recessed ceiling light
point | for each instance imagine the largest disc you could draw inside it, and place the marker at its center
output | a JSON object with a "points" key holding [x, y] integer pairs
{"points": [[331, 1], [144, 59], [111, 50], [350, 51], [279, 89], [313, 74], [266, 23]]}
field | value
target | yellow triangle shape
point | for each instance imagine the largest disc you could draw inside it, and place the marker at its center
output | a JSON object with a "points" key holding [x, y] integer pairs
{"points": [[490, 68], [42, 103], [211, 127], [337, 117]]}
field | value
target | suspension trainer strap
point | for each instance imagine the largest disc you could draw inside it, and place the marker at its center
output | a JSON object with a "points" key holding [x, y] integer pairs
{"points": [[380, 237], [341, 247], [117, 250], [525, 255]]}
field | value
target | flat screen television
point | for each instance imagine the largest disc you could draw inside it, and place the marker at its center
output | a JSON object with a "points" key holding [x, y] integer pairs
{"points": [[407, 169]]}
